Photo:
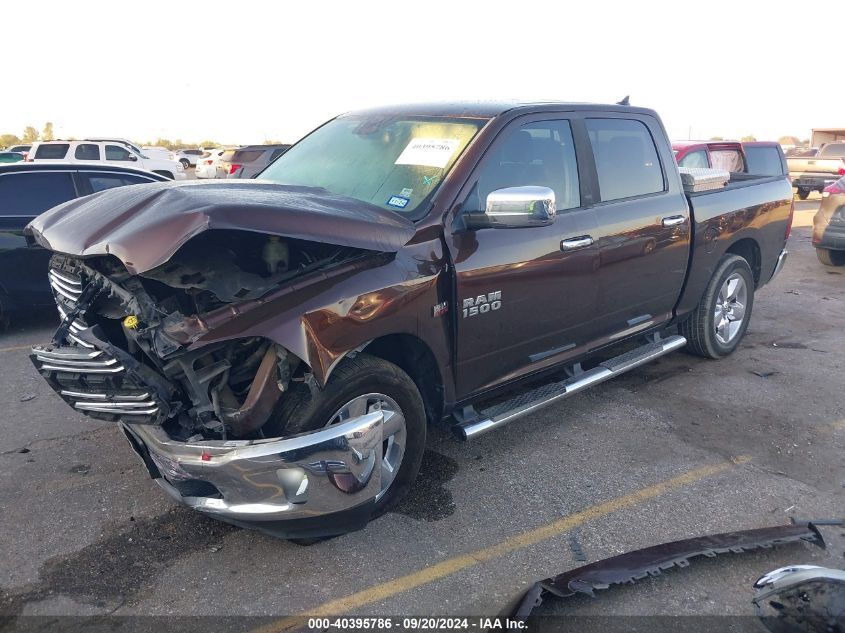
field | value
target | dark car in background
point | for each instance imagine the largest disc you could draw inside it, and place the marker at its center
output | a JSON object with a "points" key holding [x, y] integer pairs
{"points": [[23, 149], [27, 190], [11, 157], [829, 225], [246, 162]]}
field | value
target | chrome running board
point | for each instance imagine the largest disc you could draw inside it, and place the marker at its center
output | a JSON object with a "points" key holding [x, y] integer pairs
{"points": [[544, 395]]}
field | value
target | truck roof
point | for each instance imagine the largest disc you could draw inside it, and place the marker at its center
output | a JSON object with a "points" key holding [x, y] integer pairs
{"points": [[490, 109]]}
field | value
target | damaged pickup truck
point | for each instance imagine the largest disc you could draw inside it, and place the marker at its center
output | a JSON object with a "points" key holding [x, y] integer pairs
{"points": [[274, 349]]}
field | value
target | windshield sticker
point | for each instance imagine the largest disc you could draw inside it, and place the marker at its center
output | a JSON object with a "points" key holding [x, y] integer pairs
{"points": [[398, 201], [406, 193], [428, 180], [428, 152]]}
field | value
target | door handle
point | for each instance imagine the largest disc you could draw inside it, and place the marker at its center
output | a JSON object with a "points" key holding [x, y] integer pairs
{"points": [[576, 242], [674, 220]]}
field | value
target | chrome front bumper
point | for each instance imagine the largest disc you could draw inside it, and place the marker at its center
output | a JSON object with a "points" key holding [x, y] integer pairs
{"points": [[779, 266], [307, 476]]}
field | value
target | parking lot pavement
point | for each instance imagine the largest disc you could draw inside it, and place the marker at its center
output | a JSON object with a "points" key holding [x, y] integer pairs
{"points": [[674, 449]]}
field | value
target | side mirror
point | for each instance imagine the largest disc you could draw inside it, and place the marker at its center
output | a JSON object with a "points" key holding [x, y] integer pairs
{"points": [[515, 207], [133, 158]]}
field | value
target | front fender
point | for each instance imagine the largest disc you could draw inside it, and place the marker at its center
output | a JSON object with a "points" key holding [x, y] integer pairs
{"points": [[322, 319]]}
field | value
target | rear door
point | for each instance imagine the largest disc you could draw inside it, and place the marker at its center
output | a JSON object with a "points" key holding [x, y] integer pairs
{"points": [[643, 225], [523, 298], [24, 195]]}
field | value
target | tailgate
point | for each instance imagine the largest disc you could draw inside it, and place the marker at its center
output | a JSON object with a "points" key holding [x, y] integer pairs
{"points": [[815, 165]]}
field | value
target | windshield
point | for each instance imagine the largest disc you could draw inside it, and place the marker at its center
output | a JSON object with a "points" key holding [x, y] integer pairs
{"points": [[394, 163]]}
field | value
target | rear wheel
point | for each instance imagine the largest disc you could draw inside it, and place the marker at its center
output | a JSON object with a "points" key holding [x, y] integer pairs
{"points": [[830, 258], [361, 385], [803, 193], [720, 320]]}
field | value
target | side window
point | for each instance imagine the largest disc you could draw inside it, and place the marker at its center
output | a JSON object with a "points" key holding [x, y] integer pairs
{"points": [[52, 151], [99, 182], [540, 154], [727, 159], [87, 151], [276, 153], [116, 152], [34, 192], [626, 158], [698, 158]]}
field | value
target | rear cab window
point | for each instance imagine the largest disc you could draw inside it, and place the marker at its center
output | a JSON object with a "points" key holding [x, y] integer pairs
{"points": [[764, 161], [727, 159], [32, 193], [833, 150], [626, 158], [52, 151]]}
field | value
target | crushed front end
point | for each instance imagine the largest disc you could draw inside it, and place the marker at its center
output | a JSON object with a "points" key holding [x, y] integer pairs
{"points": [[197, 414]]}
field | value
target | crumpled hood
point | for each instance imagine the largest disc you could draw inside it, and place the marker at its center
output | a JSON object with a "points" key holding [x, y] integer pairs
{"points": [[144, 225]]}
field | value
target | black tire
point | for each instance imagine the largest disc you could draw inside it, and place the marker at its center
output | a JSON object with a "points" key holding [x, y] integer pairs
{"points": [[699, 329], [363, 374], [185, 163], [803, 193], [830, 258]]}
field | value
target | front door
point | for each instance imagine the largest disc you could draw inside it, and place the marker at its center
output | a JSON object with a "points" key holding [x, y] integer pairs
{"points": [[524, 296]]}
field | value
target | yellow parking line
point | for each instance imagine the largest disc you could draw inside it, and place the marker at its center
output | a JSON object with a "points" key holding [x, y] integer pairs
{"points": [[16, 349], [520, 541]]}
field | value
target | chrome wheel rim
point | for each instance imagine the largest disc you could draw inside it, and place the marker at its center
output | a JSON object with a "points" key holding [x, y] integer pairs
{"points": [[729, 313], [394, 433]]}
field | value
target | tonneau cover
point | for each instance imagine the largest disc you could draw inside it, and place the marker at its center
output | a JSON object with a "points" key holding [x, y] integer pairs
{"points": [[144, 225]]}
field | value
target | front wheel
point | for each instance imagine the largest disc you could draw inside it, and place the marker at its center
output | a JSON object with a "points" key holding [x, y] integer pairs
{"points": [[803, 193], [361, 385], [718, 323], [185, 163]]}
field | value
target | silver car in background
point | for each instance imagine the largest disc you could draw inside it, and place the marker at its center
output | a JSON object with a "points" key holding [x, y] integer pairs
{"points": [[246, 162]]}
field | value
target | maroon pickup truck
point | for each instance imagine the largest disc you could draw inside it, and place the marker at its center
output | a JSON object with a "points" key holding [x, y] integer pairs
{"points": [[274, 349]]}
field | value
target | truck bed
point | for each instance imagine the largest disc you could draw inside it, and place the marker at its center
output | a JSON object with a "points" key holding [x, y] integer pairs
{"points": [[755, 209]]}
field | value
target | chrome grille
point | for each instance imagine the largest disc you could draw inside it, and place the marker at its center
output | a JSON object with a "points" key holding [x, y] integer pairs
{"points": [[78, 361], [94, 382], [75, 328], [122, 404], [65, 285]]}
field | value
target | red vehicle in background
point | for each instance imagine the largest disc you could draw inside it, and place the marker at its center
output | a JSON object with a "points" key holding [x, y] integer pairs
{"points": [[727, 155], [761, 158]]}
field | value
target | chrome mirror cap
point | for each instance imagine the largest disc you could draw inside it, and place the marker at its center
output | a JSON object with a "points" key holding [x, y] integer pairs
{"points": [[515, 207]]}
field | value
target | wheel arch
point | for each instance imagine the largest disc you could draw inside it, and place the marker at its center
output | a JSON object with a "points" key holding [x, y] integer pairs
{"points": [[415, 358], [749, 249]]}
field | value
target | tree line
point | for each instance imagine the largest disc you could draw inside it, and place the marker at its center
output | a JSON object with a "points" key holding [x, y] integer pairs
{"points": [[31, 134]]}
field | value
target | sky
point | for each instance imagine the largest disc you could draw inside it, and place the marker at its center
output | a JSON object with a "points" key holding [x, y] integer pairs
{"points": [[250, 71]]}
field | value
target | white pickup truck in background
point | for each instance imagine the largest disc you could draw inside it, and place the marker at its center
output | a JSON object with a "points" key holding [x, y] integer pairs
{"points": [[814, 173]]}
